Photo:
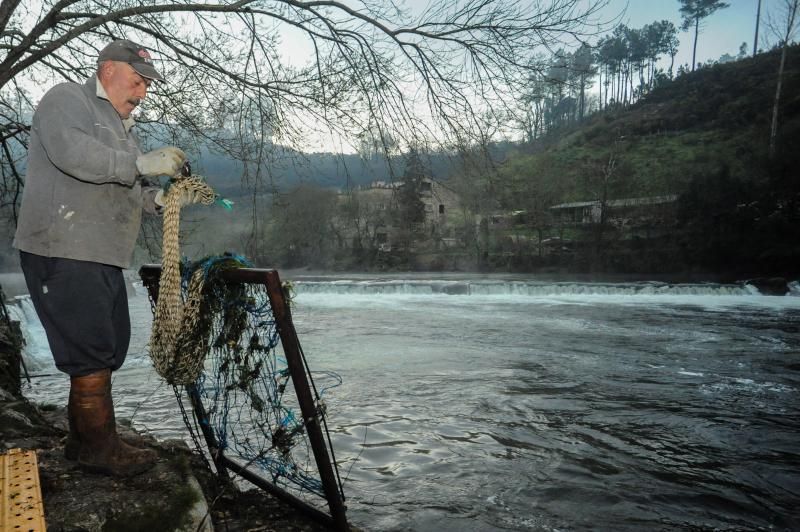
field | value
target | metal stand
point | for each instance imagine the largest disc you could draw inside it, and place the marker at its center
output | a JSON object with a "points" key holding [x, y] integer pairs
{"points": [[208, 433]]}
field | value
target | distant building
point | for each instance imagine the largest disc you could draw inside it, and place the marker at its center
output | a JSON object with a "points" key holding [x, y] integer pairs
{"points": [[439, 200], [619, 212], [631, 218], [377, 207]]}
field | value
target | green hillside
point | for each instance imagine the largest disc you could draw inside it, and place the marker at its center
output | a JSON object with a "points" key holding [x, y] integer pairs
{"points": [[698, 123], [703, 137]]}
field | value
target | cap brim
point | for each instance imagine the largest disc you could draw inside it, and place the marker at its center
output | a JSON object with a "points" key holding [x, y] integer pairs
{"points": [[147, 71]]}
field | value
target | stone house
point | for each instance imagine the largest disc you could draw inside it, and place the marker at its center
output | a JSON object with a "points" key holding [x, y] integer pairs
{"points": [[377, 206]]}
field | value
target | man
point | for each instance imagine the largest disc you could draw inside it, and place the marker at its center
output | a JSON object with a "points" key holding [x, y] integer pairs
{"points": [[79, 219]]}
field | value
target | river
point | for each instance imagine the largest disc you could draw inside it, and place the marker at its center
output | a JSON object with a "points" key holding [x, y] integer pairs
{"points": [[507, 404]]}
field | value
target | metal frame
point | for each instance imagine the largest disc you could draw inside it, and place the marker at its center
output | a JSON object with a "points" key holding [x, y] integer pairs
{"points": [[150, 274]]}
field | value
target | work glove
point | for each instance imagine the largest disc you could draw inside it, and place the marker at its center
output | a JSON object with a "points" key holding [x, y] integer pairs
{"points": [[163, 161], [187, 198]]}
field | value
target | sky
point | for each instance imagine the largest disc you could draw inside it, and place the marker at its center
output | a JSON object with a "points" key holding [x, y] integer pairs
{"points": [[722, 32]]}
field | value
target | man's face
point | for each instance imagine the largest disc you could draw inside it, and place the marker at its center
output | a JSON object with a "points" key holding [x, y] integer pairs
{"points": [[125, 87]]}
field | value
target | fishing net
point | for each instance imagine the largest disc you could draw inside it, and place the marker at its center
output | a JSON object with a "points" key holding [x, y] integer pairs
{"points": [[219, 338], [243, 382]]}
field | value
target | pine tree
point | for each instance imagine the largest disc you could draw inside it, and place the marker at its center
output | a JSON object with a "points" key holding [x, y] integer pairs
{"points": [[693, 11]]}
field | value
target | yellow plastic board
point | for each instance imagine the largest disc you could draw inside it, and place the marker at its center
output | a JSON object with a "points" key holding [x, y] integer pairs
{"points": [[21, 508]]}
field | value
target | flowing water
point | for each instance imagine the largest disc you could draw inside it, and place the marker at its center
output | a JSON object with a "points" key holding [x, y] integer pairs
{"points": [[481, 404]]}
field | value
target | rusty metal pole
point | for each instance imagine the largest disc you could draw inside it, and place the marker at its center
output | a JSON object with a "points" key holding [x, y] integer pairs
{"points": [[311, 420], [208, 432]]}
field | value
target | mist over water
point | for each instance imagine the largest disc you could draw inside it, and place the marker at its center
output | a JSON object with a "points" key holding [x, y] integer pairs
{"points": [[476, 405]]}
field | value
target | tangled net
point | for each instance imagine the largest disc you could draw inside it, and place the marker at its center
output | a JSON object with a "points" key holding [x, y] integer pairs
{"points": [[244, 382], [220, 340]]}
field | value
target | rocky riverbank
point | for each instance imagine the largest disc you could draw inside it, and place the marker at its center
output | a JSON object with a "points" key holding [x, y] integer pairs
{"points": [[179, 494]]}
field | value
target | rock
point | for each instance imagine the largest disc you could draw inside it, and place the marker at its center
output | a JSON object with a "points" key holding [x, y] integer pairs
{"points": [[5, 396], [179, 494], [172, 496], [199, 514], [20, 419], [770, 286], [13, 420]]}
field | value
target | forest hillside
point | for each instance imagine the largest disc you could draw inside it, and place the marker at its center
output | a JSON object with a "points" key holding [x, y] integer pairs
{"points": [[701, 143]]}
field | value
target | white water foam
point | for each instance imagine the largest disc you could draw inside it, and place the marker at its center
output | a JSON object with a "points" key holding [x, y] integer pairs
{"points": [[517, 288], [36, 352]]}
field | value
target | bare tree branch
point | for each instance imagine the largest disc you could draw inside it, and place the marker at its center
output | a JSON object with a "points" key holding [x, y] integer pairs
{"points": [[370, 69]]}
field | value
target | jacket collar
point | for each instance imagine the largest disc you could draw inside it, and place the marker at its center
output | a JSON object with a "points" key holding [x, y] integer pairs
{"points": [[100, 92]]}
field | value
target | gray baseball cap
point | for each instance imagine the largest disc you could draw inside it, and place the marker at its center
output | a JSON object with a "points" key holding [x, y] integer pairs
{"points": [[134, 54]]}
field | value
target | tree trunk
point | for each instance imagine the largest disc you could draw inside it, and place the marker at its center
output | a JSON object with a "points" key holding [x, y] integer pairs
{"points": [[694, 47], [612, 86], [600, 86], [623, 96], [641, 79], [773, 131], [758, 19], [540, 233], [530, 125]]}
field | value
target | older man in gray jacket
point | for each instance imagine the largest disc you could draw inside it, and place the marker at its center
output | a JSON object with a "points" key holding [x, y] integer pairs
{"points": [[85, 190]]}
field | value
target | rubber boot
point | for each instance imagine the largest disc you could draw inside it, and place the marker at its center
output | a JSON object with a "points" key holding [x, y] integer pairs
{"points": [[72, 445], [101, 449]]}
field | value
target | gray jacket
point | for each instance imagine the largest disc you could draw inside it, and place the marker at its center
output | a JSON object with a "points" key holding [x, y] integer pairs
{"points": [[83, 198]]}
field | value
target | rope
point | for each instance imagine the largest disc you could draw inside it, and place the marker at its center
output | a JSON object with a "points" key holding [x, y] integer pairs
{"points": [[178, 357]]}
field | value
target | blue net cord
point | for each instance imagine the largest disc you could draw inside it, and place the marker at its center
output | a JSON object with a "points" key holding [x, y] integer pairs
{"points": [[246, 387]]}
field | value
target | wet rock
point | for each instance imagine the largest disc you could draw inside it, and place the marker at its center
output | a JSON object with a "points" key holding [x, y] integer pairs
{"points": [[770, 286], [453, 289]]}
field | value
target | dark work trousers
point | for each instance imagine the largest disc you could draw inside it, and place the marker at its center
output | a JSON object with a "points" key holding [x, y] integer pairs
{"points": [[83, 307]]}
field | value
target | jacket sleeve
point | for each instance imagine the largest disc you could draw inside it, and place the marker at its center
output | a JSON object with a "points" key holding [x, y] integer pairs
{"points": [[149, 191], [66, 127]]}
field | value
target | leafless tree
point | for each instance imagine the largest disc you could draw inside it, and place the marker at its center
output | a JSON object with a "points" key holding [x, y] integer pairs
{"points": [[758, 22], [782, 23], [362, 216], [360, 66]]}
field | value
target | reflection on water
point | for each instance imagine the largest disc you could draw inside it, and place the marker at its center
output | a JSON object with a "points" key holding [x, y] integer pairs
{"points": [[559, 412]]}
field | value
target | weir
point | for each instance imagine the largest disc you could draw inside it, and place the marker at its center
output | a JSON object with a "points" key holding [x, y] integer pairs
{"points": [[519, 288]]}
